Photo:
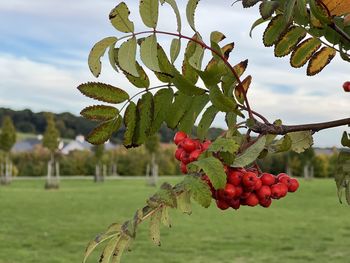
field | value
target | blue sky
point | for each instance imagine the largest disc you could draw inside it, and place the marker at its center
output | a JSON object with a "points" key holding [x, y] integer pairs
{"points": [[45, 43]]}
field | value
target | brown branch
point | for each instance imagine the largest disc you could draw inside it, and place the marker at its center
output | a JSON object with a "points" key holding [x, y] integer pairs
{"points": [[263, 128]]}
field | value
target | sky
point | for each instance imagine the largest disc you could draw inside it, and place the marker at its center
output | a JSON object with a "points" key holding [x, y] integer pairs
{"points": [[44, 47]]}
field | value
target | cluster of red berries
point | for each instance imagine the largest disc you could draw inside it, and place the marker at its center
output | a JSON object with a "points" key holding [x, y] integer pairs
{"points": [[243, 187], [188, 150], [246, 187]]}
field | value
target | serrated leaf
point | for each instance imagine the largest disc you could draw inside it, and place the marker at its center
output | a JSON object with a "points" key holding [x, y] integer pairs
{"points": [[319, 11], [243, 88], [229, 81], [149, 53], [185, 86], [164, 196], [304, 52], [320, 60], [198, 189], [289, 10], [196, 59], [112, 231], [112, 55], [184, 202], [301, 141], [103, 92], [145, 111], [99, 112], [289, 41], [249, 3], [149, 11], [214, 169], [165, 66], [154, 227], [127, 57], [104, 131], [207, 119], [130, 116], [250, 154], [274, 30], [224, 145], [122, 244], [162, 99], [267, 8], [177, 109], [188, 71], [165, 219], [345, 140], [119, 17], [175, 48], [220, 101], [190, 12], [190, 117], [281, 145], [97, 52], [174, 6]]}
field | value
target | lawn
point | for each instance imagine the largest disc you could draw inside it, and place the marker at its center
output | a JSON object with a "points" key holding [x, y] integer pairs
{"points": [[54, 226]]}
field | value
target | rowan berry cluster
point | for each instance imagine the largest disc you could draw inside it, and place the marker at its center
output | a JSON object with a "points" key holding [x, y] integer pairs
{"points": [[244, 187], [188, 149]]}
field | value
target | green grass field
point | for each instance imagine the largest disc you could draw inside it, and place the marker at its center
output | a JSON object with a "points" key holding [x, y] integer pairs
{"points": [[54, 226]]}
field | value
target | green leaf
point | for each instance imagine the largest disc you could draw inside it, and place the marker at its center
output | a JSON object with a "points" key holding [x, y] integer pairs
{"points": [[301, 141], [250, 154], [149, 11], [320, 60], [196, 59], [127, 57], [177, 109], [257, 23], [267, 8], [162, 99], [184, 202], [301, 15], [304, 52], [165, 196], [104, 131], [119, 18], [289, 41], [165, 66], [130, 116], [220, 101], [112, 55], [224, 145], [249, 3], [190, 117], [97, 52], [188, 71], [214, 169], [103, 92], [99, 112], [154, 227], [342, 175], [345, 140], [165, 217], [229, 81], [199, 191], [174, 6], [149, 53], [207, 119], [320, 12], [185, 86], [175, 48], [274, 30], [190, 11], [112, 231], [145, 110], [281, 145], [289, 10]]}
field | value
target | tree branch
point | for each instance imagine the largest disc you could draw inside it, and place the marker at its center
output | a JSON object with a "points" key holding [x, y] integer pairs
{"points": [[263, 128]]}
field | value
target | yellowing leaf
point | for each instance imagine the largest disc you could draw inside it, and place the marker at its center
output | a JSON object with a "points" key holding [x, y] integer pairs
{"points": [[319, 60], [149, 11], [190, 11], [127, 57], [119, 18], [304, 52], [148, 52], [289, 40], [245, 85], [337, 7]]}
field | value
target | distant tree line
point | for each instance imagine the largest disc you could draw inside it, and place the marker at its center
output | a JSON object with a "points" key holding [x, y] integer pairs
{"points": [[70, 126]]}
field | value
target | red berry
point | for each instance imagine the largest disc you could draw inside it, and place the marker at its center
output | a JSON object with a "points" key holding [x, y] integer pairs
{"points": [[294, 185], [239, 191], [264, 192], [266, 202], [249, 179], [178, 153], [194, 155], [278, 190], [252, 200], [235, 203], [267, 179], [179, 137], [183, 168], [346, 86], [205, 145], [235, 176], [222, 204], [185, 157], [285, 180], [281, 175], [258, 184], [245, 195], [189, 145], [229, 191]]}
